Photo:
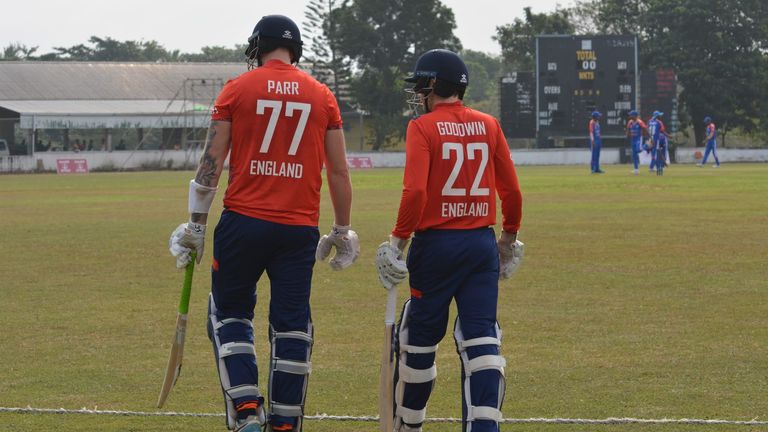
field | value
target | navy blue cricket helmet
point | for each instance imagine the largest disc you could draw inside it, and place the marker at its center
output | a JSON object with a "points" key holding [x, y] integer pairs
{"points": [[633, 113], [707, 119], [275, 30], [443, 65], [596, 114]]}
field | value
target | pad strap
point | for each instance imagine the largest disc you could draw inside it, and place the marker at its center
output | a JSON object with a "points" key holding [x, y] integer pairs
{"points": [[488, 340], [222, 323], [293, 367], [233, 348], [411, 416], [417, 376], [243, 391], [484, 413], [286, 410], [293, 335], [413, 349], [486, 362]]}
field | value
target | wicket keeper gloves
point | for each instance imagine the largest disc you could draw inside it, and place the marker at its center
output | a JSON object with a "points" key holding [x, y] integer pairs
{"points": [[390, 264], [186, 238], [347, 247], [511, 252]]}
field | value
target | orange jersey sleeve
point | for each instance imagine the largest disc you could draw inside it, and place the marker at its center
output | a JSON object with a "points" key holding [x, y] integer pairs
{"points": [[279, 117], [508, 186], [456, 161]]}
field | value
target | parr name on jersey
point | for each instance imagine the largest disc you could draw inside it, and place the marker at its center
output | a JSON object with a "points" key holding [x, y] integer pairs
{"points": [[277, 169], [283, 87], [462, 209], [461, 129]]}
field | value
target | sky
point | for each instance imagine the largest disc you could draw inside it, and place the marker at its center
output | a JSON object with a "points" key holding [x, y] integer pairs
{"points": [[188, 25]]}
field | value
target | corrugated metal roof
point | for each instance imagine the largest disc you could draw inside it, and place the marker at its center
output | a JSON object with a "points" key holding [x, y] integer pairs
{"points": [[71, 95], [98, 114], [102, 107], [106, 80]]}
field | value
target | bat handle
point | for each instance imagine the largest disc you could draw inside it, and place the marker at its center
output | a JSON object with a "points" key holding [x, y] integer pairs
{"points": [[389, 315]]}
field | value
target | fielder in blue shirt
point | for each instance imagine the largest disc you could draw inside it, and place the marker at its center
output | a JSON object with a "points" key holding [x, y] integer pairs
{"points": [[595, 142], [711, 139], [635, 128]]}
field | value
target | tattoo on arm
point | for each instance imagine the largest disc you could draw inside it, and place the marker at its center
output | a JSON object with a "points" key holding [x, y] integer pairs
{"points": [[196, 217], [207, 169]]}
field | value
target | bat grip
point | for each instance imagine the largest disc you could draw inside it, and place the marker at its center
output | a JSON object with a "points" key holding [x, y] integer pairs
{"points": [[186, 289], [389, 315]]}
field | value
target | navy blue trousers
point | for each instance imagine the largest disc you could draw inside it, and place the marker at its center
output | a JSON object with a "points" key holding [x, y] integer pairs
{"points": [[243, 249], [460, 266]]}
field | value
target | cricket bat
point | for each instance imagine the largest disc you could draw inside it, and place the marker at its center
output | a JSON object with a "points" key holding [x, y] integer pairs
{"points": [[386, 381], [173, 369]]}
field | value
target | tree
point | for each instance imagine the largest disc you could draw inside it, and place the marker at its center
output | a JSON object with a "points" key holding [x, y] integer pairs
{"points": [[322, 51], [517, 40], [383, 39], [484, 73], [17, 51], [717, 48], [108, 49], [216, 53]]}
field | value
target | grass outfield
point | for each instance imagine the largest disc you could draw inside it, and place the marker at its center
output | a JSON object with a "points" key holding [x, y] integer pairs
{"points": [[639, 297]]}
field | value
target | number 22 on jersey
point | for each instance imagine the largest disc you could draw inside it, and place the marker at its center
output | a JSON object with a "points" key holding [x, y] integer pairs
{"points": [[472, 150]]}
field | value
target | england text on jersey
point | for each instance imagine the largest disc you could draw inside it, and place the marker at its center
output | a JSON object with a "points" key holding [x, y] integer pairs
{"points": [[277, 169], [461, 129], [463, 209]]}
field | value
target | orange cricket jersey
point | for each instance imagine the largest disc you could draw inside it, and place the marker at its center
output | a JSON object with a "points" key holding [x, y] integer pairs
{"points": [[457, 159], [279, 117]]}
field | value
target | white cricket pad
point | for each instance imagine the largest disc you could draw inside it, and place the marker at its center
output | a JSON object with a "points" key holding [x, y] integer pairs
{"points": [[407, 374], [296, 367], [476, 364], [225, 350]]}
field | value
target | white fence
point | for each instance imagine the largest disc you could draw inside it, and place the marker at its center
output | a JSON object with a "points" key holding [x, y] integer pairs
{"points": [[157, 159]]}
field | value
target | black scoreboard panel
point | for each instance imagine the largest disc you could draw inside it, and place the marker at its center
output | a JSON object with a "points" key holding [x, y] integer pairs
{"points": [[518, 105], [576, 75], [658, 92]]}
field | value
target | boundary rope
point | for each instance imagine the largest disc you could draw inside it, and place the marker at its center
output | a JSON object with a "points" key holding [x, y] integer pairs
{"points": [[609, 420]]}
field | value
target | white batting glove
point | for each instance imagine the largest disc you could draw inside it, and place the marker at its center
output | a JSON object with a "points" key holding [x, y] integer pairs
{"points": [[390, 264], [511, 251], [347, 247], [184, 239]]}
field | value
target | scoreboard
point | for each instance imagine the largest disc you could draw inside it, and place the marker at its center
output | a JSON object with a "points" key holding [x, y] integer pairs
{"points": [[576, 75], [518, 105], [658, 92]]}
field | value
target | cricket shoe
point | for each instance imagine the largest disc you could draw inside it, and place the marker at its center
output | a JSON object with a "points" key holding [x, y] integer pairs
{"points": [[715, 166], [251, 424], [699, 165], [634, 172]]}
